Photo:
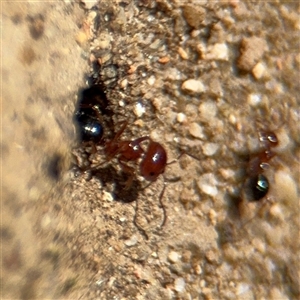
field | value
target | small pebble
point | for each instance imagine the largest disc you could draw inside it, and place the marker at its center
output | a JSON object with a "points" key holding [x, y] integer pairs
{"points": [[210, 149], [181, 117], [259, 70], [179, 285], [254, 99], [139, 109], [164, 60], [216, 52], [259, 245], [207, 110], [132, 241], [194, 15], [213, 216], [151, 80], [251, 51], [198, 270], [173, 257], [124, 83], [193, 86], [183, 54], [207, 184], [107, 196], [196, 130], [202, 282], [242, 288], [227, 173]]}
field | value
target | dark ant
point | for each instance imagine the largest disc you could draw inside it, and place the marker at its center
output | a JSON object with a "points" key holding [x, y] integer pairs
{"points": [[92, 115], [90, 129], [257, 185]]}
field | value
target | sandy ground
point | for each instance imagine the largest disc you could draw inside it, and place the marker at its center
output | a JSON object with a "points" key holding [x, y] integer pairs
{"points": [[203, 78]]}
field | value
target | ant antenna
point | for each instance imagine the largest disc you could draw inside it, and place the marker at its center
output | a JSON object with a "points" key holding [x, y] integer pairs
{"points": [[143, 231], [162, 205]]}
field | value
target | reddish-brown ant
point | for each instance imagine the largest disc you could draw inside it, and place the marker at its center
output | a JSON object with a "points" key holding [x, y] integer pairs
{"points": [[152, 164]]}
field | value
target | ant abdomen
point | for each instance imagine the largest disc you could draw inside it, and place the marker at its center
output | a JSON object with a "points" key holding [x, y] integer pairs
{"points": [[90, 129], [257, 187], [154, 161]]}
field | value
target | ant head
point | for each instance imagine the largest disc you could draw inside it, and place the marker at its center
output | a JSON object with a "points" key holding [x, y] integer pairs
{"points": [[154, 161]]}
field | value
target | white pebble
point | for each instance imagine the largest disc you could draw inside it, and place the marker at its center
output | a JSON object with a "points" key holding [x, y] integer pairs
{"points": [[210, 149], [179, 285], [139, 109], [242, 288], [207, 184], [193, 86], [107, 196], [124, 83], [196, 130], [151, 80], [173, 74], [259, 70], [207, 110], [254, 99], [216, 52], [181, 117], [227, 173], [132, 241], [173, 257]]}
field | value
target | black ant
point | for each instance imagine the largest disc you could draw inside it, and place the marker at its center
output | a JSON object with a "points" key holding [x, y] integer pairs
{"points": [[92, 115], [256, 187]]}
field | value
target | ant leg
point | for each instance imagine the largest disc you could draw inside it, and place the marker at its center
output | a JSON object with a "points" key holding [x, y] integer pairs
{"points": [[121, 130], [140, 140], [160, 203], [162, 206]]}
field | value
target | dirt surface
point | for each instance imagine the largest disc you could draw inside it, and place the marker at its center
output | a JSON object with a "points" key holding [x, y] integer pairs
{"points": [[204, 78]]}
